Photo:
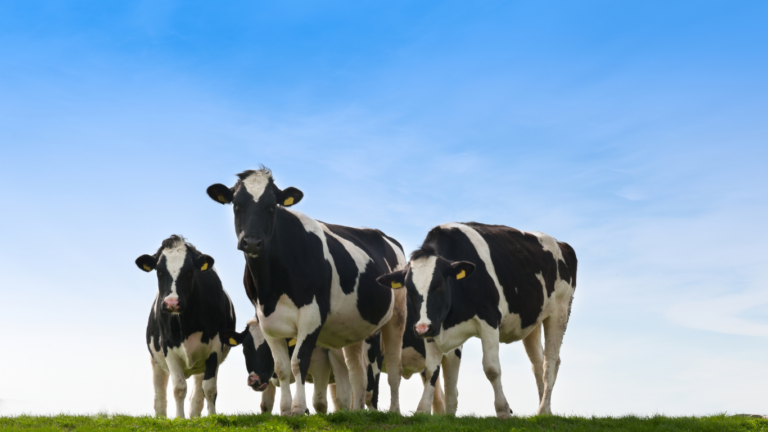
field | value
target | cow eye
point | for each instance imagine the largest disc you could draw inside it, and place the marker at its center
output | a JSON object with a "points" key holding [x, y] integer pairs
{"points": [[237, 207], [271, 208]]}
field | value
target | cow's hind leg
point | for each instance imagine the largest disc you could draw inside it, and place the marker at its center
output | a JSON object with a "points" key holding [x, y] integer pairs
{"points": [[341, 391], [320, 369], [160, 380], [209, 382], [554, 329], [392, 345], [535, 351], [353, 356], [197, 400]]}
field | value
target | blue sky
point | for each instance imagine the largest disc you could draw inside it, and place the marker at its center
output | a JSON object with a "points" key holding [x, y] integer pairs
{"points": [[634, 131]]}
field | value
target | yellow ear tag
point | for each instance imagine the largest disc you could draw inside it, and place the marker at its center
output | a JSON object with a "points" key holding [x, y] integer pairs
{"points": [[396, 285], [222, 199], [288, 201], [292, 342], [232, 341], [204, 267], [461, 275], [146, 267]]}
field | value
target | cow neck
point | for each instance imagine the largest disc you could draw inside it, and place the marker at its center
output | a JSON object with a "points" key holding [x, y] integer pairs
{"points": [[180, 326], [261, 267]]}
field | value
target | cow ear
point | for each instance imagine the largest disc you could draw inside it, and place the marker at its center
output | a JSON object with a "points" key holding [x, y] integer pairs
{"points": [[220, 193], [392, 280], [290, 196], [146, 263], [462, 269], [233, 338], [204, 262]]}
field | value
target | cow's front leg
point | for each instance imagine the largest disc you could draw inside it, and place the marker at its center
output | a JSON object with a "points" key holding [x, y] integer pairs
{"points": [[489, 337], [279, 347], [306, 341], [209, 381], [431, 374], [353, 356], [160, 380], [320, 369], [179, 382], [268, 399], [451, 363]]}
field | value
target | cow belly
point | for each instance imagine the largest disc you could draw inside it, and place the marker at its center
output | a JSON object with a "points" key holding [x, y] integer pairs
{"points": [[342, 329], [510, 330], [193, 353], [413, 362]]}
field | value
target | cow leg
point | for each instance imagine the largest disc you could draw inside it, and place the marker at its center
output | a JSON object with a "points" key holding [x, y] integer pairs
{"points": [[279, 349], [197, 400], [332, 388], [353, 355], [372, 390], [160, 380], [179, 382], [209, 382], [535, 351], [392, 345], [342, 390], [268, 399], [430, 375], [554, 329], [451, 363], [489, 338], [320, 369]]}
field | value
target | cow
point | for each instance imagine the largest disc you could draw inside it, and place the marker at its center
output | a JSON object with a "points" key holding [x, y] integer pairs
{"points": [[325, 367], [522, 281], [315, 282], [190, 311]]}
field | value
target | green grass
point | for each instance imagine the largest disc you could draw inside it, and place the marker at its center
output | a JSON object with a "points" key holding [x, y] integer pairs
{"points": [[374, 421]]}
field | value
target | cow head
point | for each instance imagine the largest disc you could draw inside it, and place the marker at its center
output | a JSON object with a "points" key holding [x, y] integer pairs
{"points": [[255, 199], [177, 264], [429, 279], [258, 356]]}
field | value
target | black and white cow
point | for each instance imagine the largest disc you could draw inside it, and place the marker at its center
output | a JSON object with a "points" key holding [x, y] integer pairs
{"points": [[316, 282], [522, 281], [189, 313], [324, 368]]}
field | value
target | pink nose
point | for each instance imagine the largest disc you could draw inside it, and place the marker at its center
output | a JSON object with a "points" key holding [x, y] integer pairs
{"points": [[252, 379], [172, 303], [422, 328]]}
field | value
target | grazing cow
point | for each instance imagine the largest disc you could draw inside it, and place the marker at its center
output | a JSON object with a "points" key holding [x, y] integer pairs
{"points": [[522, 281], [325, 367], [190, 312], [315, 282]]}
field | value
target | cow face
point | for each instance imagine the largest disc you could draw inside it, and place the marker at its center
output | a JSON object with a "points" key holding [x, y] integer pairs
{"points": [[429, 280], [258, 356], [255, 200], [176, 264]]}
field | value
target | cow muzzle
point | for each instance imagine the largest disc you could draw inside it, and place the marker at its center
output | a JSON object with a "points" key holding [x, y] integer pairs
{"points": [[424, 330], [251, 245], [255, 383], [172, 305]]}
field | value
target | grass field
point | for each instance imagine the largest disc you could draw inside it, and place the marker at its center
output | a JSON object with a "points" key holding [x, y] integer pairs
{"points": [[374, 421]]}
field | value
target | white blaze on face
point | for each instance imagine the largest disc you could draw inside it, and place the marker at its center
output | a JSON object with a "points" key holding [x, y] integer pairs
{"points": [[422, 272], [256, 334], [174, 261], [256, 184]]}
